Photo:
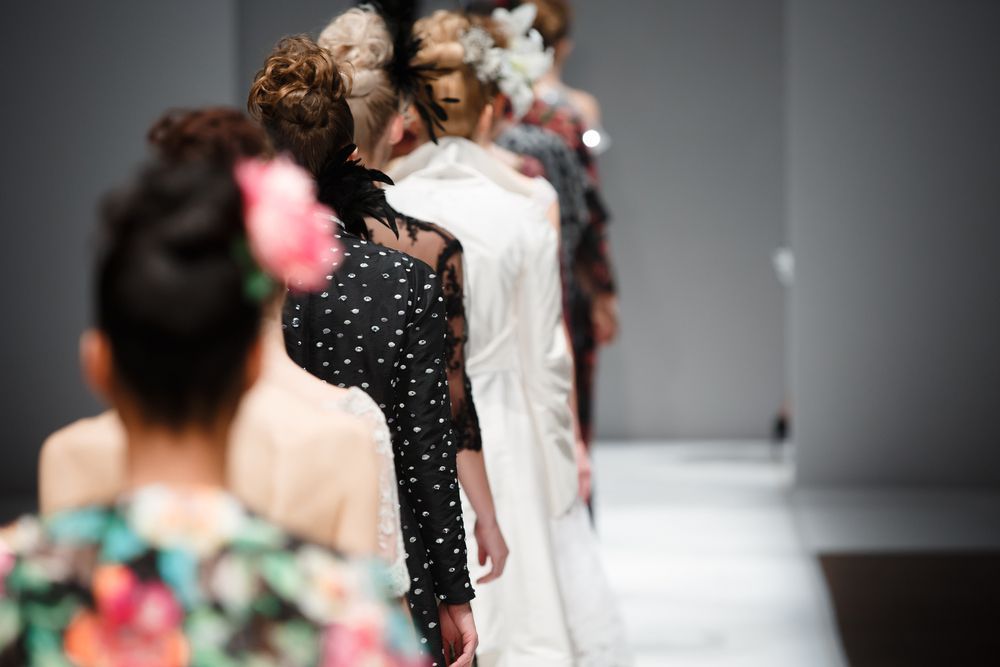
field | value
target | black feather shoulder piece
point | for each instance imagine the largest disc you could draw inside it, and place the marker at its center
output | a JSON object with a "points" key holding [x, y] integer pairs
{"points": [[348, 187], [412, 81]]}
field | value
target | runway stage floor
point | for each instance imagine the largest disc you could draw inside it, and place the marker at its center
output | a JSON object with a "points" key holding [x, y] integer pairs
{"points": [[703, 549]]}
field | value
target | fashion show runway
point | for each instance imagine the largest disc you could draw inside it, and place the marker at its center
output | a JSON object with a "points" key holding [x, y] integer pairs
{"points": [[703, 551]]}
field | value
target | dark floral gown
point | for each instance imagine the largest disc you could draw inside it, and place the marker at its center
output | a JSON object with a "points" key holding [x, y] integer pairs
{"points": [[380, 325], [168, 579], [439, 249]]}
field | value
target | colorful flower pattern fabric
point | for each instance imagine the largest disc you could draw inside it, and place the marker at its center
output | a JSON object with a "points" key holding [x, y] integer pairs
{"points": [[167, 579]]}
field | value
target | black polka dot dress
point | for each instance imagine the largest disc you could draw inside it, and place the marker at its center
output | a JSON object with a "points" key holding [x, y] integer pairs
{"points": [[380, 325]]}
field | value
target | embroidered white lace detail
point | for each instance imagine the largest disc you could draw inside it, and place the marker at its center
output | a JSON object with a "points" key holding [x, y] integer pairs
{"points": [[390, 537]]}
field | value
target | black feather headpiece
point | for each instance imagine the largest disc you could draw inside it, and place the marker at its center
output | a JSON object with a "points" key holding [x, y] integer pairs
{"points": [[411, 80], [348, 187]]}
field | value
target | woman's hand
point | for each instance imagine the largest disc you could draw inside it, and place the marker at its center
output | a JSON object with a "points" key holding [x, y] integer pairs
{"points": [[492, 547], [584, 470], [458, 632], [604, 314]]}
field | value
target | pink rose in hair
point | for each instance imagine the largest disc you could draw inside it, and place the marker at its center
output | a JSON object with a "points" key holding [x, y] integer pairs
{"points": [[289, 231]]}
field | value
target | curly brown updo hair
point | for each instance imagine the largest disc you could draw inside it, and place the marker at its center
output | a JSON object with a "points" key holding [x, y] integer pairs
{"points": [[220, 135], [300, 97]]}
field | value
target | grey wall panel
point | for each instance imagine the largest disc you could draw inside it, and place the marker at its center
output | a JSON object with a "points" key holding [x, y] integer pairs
{"points": [[692, 96], [894, 155], [86, 79]]}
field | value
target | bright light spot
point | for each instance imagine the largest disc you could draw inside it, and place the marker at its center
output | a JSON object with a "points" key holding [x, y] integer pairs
{"points": [[591, 138]]}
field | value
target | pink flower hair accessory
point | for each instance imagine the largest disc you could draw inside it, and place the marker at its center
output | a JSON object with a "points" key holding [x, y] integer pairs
{"points": [[288, 231]]}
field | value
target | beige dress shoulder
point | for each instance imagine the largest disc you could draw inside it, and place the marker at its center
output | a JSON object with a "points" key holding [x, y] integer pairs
{"points": [[316, 473]]}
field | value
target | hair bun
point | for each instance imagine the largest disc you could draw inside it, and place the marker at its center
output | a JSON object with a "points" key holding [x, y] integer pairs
{"points": [[448, 55], [440, 34], [221, 135], [359, 36], [365, 81], [289, 87], [174, 232], [170, 291]]}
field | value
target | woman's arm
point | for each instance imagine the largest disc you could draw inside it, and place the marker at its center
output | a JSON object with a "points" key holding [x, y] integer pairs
{"points": [[424, 445], [471, 466]]}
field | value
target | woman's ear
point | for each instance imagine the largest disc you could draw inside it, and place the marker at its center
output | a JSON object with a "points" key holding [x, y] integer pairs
{"points": [[96, 363], [396, 128]]}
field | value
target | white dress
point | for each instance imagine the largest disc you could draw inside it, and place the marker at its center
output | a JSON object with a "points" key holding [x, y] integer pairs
{"points": [[519, 365], [390, 537], [448, 184]]}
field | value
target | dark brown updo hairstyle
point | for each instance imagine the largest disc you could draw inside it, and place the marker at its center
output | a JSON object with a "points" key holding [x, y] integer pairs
{"points": [[300, 97], [553, 20], [170, 292], [220, 135]]}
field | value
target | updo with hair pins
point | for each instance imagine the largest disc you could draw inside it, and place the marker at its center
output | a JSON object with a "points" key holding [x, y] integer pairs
{"points": [[300, 97], [440, 34], [360, 41]]}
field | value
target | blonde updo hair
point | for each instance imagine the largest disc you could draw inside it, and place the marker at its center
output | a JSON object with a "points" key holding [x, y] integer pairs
{"points": [[440, 33], [360, 41], [300, 98]]}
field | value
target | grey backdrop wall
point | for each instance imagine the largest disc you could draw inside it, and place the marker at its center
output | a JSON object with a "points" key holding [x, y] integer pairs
{"points": [[87, 80], [692, 96], [894, 155]]}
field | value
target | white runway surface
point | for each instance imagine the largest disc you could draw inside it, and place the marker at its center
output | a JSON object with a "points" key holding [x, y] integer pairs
{"points": [[702, 548]]}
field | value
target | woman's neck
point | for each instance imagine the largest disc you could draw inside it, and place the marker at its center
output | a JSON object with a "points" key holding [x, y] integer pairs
{"points": [[192, 456], [552, 78], [275, 355]]}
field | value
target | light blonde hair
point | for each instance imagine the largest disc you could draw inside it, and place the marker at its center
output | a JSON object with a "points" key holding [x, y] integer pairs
{"points": [[360, 42]]}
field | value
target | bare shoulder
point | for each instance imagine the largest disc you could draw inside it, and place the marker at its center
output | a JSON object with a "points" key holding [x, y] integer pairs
{"points": [[295, 424], [84, 437], [82, 463]]}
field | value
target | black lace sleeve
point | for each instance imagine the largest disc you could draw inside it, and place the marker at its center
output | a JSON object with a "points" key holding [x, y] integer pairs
{"points": [[437, 248], [463, 409]]}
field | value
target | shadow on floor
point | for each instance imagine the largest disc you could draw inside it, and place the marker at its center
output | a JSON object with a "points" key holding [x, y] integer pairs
{"points": [[916, 609]]}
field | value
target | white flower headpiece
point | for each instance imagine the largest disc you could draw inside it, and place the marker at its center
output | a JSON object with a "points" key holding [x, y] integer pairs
{"points": [[516, 68]]}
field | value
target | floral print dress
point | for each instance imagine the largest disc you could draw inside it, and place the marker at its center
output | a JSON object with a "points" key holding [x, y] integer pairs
{"points": [[168, 579]]}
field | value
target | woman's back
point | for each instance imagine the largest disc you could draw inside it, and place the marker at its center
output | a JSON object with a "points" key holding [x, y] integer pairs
{"points": [[490, 224]]}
